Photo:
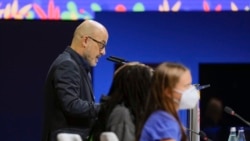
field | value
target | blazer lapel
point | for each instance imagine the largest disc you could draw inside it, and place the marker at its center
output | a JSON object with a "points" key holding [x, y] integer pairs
{"points": [[84, 73], [87, 79]]}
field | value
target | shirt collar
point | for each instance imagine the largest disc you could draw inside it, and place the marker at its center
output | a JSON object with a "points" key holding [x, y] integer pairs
{"points": [[80, 59], [84, 63]]}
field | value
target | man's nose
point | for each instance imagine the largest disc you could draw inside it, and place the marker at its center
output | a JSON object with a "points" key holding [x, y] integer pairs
{"points": [[103, 51]]}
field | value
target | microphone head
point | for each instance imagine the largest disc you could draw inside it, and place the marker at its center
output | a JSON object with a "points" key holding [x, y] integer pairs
{"points": [[200, 87], [229, 110], [120, 59], [116, 60], [203, 135]]}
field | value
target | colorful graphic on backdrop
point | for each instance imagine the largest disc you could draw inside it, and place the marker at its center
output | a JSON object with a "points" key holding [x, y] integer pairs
{"points": [[80, 9]]}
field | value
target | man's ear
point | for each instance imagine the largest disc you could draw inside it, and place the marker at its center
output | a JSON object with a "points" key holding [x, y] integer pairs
{"points": [[84, 41]]}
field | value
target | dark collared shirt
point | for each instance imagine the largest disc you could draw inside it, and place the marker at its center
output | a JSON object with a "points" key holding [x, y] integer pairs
{"points": [[86, 66]]}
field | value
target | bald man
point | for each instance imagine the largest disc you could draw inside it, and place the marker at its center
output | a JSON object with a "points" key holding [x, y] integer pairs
{"points": [[69, 99]]}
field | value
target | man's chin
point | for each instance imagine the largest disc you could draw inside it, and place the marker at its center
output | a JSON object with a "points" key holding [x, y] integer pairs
{"points": [[93, 64]]}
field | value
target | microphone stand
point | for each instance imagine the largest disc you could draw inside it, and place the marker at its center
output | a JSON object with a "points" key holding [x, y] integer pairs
{"points": [[242, 119], [201, 134]]}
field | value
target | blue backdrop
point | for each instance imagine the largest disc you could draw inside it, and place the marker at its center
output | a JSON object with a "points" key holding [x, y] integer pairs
{"points": [[187, 37]]}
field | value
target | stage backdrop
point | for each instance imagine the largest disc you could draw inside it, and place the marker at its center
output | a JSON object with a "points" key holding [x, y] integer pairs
{"points": [[85, 9], [27, 48]]}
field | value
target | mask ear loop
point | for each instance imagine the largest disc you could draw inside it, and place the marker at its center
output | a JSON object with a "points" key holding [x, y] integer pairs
{"points": [[176, 100]]}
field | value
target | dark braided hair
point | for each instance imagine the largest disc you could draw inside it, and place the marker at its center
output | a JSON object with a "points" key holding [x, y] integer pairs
{"points": [[130, 87]]}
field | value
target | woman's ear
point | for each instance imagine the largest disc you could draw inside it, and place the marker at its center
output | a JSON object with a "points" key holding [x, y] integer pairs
{"points": [[168, 92]]}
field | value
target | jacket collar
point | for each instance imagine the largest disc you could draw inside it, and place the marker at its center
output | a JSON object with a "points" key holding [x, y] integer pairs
{"points": [[79, 59]]}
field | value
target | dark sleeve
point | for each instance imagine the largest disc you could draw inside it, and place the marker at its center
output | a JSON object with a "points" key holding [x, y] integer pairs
{"points": [[67, 85]]}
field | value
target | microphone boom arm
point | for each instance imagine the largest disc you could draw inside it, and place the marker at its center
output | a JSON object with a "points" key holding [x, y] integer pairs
{"points": [[242, 119], [233, 113]]}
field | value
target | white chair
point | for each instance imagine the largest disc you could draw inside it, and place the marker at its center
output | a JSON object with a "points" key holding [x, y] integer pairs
{"points": [[108, 136], [68, 137]]}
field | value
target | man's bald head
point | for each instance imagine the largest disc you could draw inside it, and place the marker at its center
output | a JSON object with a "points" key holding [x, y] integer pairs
{"points": [[89, 40], [89, 27]]}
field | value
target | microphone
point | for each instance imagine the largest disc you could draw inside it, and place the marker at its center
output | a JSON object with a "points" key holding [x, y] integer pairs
{"points": [[117, 60], [233, 113], [202, 134], [198, 87]]}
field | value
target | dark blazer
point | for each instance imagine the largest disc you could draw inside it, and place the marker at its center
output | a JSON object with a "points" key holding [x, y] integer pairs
{"points": [[69, 99]]}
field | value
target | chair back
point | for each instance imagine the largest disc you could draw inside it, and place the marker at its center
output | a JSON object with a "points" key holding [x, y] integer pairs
{"points": [[68, 137], [108, 136]]}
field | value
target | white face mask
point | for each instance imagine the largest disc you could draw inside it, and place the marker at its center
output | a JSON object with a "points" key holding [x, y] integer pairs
{"points": [[189, 98]]}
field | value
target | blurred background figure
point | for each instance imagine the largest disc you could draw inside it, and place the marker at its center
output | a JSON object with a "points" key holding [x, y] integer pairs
{"points": [[211, 123], [213, 113]]}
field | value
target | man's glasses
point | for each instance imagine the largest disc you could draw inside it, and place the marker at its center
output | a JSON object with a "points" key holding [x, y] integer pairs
{"points": [[103, 45]]}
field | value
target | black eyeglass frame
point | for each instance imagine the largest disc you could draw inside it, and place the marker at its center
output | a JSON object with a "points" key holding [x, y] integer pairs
{"points": [[99, 42]]}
